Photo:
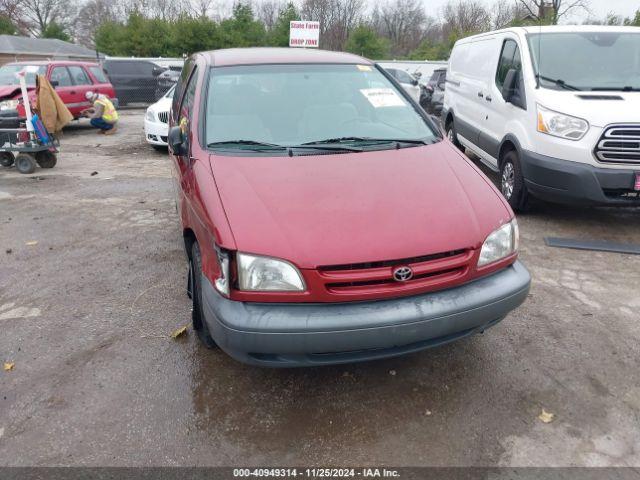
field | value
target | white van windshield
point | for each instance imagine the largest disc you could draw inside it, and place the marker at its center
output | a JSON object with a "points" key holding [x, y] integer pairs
{"points": [[587, 60], [291, 105]]}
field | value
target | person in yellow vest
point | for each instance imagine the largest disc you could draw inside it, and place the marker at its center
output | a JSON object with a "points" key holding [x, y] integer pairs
{"points": [[103, 115]]}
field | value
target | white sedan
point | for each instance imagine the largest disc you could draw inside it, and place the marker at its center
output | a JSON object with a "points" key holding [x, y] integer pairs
{"points": [[156, 121]]}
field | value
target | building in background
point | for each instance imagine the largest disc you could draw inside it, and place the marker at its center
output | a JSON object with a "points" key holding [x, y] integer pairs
{"points": [[19, 49]]}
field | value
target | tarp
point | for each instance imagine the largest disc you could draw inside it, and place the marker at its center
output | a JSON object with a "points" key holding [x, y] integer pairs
{"points": [[52, 110]]}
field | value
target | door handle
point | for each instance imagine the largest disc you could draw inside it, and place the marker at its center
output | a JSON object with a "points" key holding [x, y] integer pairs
{"points": [[480, 94], [488, 99]]}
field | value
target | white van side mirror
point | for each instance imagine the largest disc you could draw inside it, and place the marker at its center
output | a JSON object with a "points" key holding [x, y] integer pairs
{"points": [[510, 91]]}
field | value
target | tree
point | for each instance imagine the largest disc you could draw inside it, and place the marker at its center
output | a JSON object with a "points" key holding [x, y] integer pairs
{"points": [[6, 26], [90, 17], [465, 17], [110, 38], [190, 35], [551, 11], [404, 23], [242, 29], [54, 30], [38, 14], [278, 36], [633, 22], [364, 41]]}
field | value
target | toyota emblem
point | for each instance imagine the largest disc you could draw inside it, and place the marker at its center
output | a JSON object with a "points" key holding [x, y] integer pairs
{"points": [[402, 274]]}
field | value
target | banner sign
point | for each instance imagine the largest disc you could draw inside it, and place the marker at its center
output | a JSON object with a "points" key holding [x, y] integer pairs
{"points": [[304, 34]]}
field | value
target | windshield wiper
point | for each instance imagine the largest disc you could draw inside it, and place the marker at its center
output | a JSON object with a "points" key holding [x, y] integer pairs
{"points": [[253, 143], [615, 89], [368, 140], [561, 83]]}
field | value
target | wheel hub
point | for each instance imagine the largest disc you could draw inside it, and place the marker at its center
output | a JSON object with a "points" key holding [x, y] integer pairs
{"points": [[508, 180]]}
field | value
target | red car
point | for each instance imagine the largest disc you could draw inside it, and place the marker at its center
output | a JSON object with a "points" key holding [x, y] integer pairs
{"points": [[71, 80], [325, 217]]}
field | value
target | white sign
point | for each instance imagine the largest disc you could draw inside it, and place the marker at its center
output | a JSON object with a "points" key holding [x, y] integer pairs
{"points": [[382, 97], [304, 34]]}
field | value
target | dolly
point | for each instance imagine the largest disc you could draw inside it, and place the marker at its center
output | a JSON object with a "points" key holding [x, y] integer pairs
{"points": [[29, 146]]}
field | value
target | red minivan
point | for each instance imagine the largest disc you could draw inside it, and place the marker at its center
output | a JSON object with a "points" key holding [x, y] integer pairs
{"points": [[325, 218], [72, 80]]}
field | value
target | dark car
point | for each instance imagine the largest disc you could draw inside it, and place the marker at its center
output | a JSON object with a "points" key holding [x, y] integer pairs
{"points": [[168, 79], [432, 95], [135, 81]]}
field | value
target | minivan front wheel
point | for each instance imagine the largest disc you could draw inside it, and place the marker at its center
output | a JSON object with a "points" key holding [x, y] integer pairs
{"points": [[512, 182], [195, 283]]}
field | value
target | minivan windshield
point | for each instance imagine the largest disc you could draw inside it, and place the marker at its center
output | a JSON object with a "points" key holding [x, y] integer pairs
{"points": [[587, 60], [8, 74], [309, 104]]}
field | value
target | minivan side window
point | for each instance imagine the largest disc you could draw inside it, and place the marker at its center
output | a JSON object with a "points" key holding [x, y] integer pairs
{"points": [[186, 108], [509, 58]]}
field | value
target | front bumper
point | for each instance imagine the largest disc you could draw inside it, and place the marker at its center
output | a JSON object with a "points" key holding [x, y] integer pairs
{"points": [[155, 133], [293, 335], [575, 183]]}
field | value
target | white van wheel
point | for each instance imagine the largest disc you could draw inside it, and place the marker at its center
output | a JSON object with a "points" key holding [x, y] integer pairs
{"points": [[452, 136], [512, 182]]}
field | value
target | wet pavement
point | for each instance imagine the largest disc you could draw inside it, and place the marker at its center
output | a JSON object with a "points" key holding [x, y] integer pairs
{"points": [[86, 312]]}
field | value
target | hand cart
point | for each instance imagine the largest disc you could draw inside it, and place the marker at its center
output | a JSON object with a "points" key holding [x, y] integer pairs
{"points": [[30, 145]]}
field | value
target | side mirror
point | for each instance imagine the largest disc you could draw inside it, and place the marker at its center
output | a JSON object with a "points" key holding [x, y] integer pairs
{"points": [[509, 86], [157, 71], [54, 83], [176, 141], [414, 82]]}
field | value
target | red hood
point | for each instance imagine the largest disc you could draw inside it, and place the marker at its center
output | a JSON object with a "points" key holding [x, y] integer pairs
{"points": [[10, 91], [352, 208]]}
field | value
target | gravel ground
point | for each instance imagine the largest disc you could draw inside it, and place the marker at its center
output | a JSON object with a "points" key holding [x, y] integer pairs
{"points": [[85, 315]]}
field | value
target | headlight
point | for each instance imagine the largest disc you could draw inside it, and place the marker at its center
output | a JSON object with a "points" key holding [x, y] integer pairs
{"points": [[561, 125], [267, 274], [9, 104], [222, 282], [500, 244], [150, 116]]}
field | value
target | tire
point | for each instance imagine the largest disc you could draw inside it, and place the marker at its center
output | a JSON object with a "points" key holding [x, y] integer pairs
{"points": [[199, 324], [46, 159], [6, 159], [452, 135], [512, 183], [25, 163]]}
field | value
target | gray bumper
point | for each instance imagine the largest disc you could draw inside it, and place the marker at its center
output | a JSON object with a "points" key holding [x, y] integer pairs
{"points": [[574, 183], [289, 335]]}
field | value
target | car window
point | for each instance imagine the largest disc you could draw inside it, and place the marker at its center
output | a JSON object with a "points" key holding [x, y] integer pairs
{"points": [[8, 74], [99, 74], [79, 76], [61, 75], [509, 59], [272, 103], [186, 108], [180, 86], [403, 77]]}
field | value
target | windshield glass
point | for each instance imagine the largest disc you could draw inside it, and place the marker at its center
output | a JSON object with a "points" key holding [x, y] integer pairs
{"points": [[587, 61], [8, 74], [295, 104]]}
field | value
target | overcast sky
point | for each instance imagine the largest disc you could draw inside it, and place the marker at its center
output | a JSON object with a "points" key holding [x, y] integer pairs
{"points": [[599, 8]]}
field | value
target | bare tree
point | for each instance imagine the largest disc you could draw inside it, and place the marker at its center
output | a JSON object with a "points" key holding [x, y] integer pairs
{"points": [[404, 23], [267, 12], [465, 17], [553, 10], [504, 13], [37, 15], [89, 18], [337, 18]]}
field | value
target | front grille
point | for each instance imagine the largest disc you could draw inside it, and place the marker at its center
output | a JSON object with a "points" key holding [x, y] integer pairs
{"points": [[429, 272], [163, 117], [619, 144]]}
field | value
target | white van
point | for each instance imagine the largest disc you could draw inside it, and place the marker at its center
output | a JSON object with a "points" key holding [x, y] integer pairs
{"points": [[556, 110]]}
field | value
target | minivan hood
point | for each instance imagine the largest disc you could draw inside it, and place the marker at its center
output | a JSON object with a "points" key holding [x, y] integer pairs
{"points": [[351, 208], [618, 107]]}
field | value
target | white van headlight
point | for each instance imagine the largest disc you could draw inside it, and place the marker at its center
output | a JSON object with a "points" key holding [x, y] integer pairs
{"points": [[561, 125], [267, 274], [500, 244]]}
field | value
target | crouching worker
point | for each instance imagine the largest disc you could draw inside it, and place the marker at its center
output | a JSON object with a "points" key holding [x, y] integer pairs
{"points": [[103, 114]]}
